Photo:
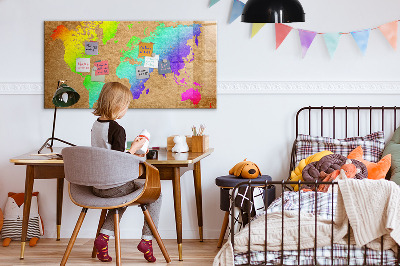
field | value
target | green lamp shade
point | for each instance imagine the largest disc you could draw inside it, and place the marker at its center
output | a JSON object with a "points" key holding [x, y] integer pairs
{"points": [[65, 96]]}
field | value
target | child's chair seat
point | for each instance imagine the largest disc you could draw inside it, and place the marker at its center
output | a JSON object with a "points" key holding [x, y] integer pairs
{"points": [[83, 196]]}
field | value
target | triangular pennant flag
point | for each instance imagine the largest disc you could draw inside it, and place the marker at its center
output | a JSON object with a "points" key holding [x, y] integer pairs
{"points": [[213, 2], [361, 37], [306, 39], [332, 41], [237, 8], [281, 31], [390, 32], [255, 28]]}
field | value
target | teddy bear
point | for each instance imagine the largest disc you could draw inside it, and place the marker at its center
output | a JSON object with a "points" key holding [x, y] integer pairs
{"points": [[180, 144], [245, 169], [13, 215]]}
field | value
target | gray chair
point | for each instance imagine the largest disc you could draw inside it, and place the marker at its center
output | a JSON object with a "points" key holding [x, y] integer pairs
{"points": [[85, 167]]}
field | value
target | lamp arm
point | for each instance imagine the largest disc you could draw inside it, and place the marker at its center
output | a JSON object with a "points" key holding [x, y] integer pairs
{"points": [[54, 126], [46, 143]]}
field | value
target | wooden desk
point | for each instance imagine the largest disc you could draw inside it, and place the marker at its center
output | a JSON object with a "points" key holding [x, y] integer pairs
{"points": [[168, 164], [40, 167]]}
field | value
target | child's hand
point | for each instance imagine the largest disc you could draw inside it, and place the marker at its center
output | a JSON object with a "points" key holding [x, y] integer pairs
{"points": [[142, 155], [137, 144]]}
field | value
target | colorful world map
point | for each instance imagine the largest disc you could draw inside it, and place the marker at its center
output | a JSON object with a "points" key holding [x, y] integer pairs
{"points": [[187, 49]]}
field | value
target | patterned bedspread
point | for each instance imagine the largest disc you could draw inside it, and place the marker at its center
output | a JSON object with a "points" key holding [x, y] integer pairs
{"points": [[307, 202]]}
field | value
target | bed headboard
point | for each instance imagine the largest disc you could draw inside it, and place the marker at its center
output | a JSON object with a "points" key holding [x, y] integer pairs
{"points": [[344, 121]]}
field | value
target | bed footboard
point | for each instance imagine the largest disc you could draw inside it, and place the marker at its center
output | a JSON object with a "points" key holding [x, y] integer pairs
{"points": [[309, 256]]}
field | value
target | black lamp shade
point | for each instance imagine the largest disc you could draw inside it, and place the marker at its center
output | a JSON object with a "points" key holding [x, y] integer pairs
{"points": [[273, 11], [65, 96]]}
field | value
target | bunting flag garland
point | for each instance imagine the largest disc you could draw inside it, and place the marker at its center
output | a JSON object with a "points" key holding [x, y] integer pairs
{"points": [[332, 41], [237, 8], [389, 30], [213, 2], [361, 37], [256, 27], [306, 39], [281, 31]]}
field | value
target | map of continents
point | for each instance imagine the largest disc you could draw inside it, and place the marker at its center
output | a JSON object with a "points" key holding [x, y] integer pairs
{"points": [[189, 47]]}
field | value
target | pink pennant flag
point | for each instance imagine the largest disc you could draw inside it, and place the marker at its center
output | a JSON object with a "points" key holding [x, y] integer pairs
{"points": [[306, 39], [281, 31], [389, 30]]}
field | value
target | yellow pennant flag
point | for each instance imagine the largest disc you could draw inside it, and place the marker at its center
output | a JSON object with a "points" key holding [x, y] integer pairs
{"points": [[255, 28]]}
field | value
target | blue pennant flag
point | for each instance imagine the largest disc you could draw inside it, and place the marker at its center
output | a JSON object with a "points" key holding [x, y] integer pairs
{"points": [[213, 2], [237, 9], [332, 41], [361, 38]]}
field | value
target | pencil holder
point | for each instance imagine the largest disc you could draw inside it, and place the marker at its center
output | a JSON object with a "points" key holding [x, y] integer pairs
{"points": [[200, 143]]}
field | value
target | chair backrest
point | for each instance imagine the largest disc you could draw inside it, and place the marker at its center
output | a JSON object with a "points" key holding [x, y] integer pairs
{"points": [[92, 166]]}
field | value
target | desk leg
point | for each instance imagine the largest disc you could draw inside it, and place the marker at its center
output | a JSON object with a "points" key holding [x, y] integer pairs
{"points": [[27, 206], [60, 190], [199, 204], [176, 182]]}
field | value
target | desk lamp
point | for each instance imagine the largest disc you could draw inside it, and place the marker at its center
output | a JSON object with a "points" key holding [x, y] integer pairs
{"points": [[273, 11], [64, 96]]}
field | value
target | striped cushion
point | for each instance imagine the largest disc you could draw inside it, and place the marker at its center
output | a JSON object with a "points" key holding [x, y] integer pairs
{"points": [[13, 228], [372, 145]]}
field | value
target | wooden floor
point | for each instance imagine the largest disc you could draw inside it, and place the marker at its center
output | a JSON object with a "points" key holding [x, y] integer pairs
{"points": [[50, 252]]}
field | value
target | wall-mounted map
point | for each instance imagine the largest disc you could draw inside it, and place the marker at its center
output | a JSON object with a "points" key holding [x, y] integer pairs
{"points": [[166, 64]]}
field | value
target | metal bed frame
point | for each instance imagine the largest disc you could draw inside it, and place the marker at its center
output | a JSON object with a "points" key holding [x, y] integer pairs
{"points": [[284, 184]]}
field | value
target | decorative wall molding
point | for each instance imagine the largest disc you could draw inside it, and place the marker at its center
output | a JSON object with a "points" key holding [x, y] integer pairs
{"points": [[260, 87], [21, 88], [310, 87]]}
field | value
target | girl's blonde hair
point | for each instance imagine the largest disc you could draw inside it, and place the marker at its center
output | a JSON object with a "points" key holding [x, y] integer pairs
{"points": [[113, 97]]}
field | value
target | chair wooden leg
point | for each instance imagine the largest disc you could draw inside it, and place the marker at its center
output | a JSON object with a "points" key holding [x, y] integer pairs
{"points": [[101, 222], [73, 237], [223, 229], [154, 230], [117, 239]]}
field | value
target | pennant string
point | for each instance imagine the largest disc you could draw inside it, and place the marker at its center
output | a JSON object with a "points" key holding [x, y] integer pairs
{"points": [[346, 32]]}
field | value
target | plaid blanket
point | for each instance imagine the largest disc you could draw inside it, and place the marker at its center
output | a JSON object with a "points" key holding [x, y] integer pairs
{"points": [[324, 257], [322, 204]]}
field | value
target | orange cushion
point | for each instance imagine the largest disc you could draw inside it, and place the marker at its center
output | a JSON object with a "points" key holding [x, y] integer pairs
{"points": [[375, 170]]}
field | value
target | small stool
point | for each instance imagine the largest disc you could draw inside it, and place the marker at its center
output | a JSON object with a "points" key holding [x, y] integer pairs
{"points": [[226, 183]]}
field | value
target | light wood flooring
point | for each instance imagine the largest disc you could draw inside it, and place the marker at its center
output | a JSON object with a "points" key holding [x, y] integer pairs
{"points": [[50, 252]]}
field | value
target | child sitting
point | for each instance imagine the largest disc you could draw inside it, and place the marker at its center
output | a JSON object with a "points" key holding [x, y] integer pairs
{"points": [[113, 103]]}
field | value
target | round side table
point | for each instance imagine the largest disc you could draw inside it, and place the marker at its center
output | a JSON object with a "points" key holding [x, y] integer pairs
{"points": [[228, 182]]}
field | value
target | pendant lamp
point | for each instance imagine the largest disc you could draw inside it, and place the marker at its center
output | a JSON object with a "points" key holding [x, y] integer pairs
{"points": [[272, 11], [64, 96]]}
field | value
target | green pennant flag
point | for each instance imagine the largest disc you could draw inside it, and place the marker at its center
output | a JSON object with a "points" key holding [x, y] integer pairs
{"points": [[213, 2], [332, 41]]}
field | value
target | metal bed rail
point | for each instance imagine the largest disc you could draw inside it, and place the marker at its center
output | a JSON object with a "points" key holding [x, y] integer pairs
{"points": [[265, 185]]}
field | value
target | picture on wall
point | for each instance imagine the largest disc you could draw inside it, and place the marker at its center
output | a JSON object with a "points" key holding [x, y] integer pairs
{"points": [[166, 64]]}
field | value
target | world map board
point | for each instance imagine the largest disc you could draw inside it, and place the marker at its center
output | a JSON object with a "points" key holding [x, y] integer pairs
{"points": [[166, 64]]}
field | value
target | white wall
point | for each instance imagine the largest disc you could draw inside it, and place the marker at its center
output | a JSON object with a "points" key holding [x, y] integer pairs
{"points": [[259, 127]]}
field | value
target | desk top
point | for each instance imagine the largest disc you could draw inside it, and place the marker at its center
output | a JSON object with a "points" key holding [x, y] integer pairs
{"points": [[164, 157]]}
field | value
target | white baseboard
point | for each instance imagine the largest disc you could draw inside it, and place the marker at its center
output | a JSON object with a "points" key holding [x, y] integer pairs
{"points": [[260, 87]]}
